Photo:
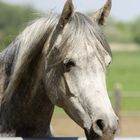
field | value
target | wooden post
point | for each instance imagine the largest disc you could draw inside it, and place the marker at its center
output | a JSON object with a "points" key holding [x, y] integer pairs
{"points": [[117, 99], [117, 103]]}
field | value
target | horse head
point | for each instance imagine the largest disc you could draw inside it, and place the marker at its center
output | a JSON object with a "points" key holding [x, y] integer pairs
{"points": [[76, 71]]}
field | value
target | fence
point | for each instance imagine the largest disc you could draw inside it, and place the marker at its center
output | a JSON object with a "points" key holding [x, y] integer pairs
{"points": [[130, 119], [118, 97], [57, 138]]}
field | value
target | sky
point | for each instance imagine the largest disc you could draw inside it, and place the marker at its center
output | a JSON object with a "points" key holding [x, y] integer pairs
{"points": [[122, 9]]}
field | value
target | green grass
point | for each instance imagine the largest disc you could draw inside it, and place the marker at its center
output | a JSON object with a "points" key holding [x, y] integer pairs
{"points": [[125, 69], [58, 109], [128, 103]]}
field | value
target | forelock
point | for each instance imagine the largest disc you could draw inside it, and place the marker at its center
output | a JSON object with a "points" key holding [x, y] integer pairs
{"points": [[82, 28]]}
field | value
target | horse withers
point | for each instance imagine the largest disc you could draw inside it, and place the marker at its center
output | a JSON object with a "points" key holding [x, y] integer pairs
{"points": [[57, 60]]}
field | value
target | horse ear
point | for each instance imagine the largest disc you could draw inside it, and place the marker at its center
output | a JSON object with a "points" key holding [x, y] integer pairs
{"points": [[101, 15], [66, 13]]}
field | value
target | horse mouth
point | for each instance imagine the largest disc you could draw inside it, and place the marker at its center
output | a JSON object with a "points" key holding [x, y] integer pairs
{"points": [[91, 135]]}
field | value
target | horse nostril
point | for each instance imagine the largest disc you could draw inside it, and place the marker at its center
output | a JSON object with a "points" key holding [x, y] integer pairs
{"points": [[100, 124], [114, 132], [99, 127]]}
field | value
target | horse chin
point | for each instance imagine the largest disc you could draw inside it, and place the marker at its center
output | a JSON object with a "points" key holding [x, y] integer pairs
{"points": [[91, 135]]}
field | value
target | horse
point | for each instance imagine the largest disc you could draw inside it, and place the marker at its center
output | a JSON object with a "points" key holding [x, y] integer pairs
{"points": [[58, 60]]}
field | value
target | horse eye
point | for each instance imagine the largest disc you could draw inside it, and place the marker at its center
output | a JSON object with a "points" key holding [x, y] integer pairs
{"points": [[109, 64], [68, 64]]}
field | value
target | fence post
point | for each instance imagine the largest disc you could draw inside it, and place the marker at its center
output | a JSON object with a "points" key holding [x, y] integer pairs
{"points": [[117, 103], [117, 99]]}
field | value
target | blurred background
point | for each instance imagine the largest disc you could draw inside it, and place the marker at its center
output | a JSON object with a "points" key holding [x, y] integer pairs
{"points": [[123, 34]]}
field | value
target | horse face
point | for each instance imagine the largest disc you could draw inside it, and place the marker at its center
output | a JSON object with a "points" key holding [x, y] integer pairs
{"points": [[85, 95], [78, 85]]}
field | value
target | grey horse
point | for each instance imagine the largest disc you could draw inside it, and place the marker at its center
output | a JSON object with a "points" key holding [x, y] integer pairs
{"points": [[57, 60]]}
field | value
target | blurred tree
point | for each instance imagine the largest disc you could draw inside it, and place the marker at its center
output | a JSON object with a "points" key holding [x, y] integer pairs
{"points": [[135, 28], [121, 32], [13, 19], [118, 31]]}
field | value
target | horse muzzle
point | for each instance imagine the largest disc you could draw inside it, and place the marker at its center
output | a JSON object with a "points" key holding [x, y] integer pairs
{"points": [[102, 129]]}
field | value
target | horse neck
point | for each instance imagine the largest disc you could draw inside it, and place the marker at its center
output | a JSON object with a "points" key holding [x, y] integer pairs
{"points": [[29, 116], [25, 99], [29, 107]]}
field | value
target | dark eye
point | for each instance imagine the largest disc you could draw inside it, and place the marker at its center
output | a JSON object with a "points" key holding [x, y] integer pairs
{"points": [[68, 64], [109, 64]]}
